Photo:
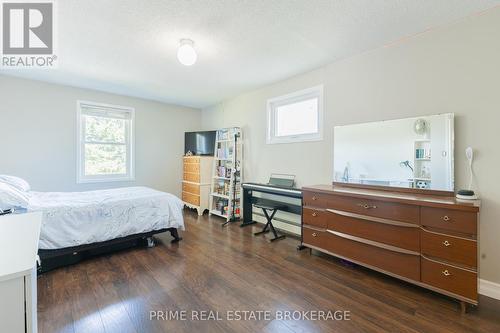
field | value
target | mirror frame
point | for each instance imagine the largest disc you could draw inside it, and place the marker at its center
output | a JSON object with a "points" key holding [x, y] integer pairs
{"points": [[418, 191]]}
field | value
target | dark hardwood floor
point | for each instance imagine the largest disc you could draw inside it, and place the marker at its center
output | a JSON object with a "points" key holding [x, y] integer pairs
{"points": [[228, 269]]}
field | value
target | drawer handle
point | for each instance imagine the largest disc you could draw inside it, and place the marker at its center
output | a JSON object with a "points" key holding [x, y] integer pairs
{"points": [[366, 206], [314, 214], [446, 243], [446, 218], [314, 234], [446, 273]]}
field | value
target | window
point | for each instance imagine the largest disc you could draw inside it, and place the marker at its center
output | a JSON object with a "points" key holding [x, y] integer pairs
{"points": [[296, 117], [105, 143]]}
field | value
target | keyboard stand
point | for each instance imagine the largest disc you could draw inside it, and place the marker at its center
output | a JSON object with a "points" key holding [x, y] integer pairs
{"points": [[273, 208], [249, 200]]}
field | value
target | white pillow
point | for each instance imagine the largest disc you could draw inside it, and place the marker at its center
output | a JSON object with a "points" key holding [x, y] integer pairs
{"points": [[17, 182], [11, 197]]}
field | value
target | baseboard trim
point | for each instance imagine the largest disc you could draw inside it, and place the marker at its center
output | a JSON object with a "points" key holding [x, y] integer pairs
{"points": [[490, 289]]}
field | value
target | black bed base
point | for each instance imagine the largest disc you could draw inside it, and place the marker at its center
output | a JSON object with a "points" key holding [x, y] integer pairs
{"points": [[52, 259]]}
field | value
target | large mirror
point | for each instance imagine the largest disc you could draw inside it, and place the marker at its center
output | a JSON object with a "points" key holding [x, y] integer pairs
{"points": [[412, 153]]}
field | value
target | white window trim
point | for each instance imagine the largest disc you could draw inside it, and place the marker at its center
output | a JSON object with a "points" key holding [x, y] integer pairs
{"points": [[80, 168], [297, 96]]}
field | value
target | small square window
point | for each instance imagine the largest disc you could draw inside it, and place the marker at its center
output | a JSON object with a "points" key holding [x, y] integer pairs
{"points": [[296, 117]]}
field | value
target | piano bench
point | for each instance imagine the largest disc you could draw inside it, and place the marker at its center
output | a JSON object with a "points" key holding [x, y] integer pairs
{"points": [[272, 208]]}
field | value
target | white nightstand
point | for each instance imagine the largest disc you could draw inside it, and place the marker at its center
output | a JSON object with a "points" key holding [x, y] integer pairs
{"points": [[19, 235]]}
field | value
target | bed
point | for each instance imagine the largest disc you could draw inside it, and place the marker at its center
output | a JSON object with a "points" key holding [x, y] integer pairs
{"points": [[77, 225]]}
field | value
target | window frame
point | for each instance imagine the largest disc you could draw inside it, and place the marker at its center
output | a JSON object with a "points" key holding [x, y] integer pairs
{"points": [[298, 96], [80, 144]]}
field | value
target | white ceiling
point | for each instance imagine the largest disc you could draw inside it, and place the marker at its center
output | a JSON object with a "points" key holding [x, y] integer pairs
{"points": [[129, 46]]}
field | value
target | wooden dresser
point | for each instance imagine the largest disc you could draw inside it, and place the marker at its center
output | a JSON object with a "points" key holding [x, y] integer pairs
{"points": [[196, 182], [428, 240]]}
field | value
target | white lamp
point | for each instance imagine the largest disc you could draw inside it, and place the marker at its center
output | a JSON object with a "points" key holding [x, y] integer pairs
{"points": [[469, 193], [186, 52]]}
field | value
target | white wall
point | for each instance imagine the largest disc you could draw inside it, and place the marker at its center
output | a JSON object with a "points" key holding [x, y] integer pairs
{"points": [[38, 136], [454, 69]]}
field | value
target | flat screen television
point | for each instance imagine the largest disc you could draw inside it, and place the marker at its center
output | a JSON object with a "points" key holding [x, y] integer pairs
{"points": [[200, 143]]}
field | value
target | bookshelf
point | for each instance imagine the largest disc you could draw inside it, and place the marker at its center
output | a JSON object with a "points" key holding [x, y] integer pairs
{"points": [[422, 163], [225, 191]]}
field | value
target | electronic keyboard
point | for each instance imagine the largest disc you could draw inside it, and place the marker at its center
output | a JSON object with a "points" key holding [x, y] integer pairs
{"points": [[273, 189]]}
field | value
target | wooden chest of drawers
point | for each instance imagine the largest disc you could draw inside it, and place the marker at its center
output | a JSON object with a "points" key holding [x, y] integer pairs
{"points": [[428, 240], [196, 182]]}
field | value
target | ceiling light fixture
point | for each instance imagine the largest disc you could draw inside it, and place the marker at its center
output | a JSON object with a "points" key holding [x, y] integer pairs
{"points": [[186, 53]]}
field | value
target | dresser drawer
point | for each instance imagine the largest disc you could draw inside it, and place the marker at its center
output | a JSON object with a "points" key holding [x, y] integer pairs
{"points": [[191, 159], [191, 188], [315, 217], [388, 259], [453, 249], [370, 207], [455, 280], [191, 198], [314, 237], [313, 199], [192, 167], [400, 234], [447, 219], [192, 177]]}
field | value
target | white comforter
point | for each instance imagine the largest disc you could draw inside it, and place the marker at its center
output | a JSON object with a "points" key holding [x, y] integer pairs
{"points": [[77, 218]]}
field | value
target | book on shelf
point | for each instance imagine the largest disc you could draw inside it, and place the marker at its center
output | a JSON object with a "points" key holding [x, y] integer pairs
{"points": [[223, 134], [222, 206], [422, 153], [223, 171], [225, 153]]}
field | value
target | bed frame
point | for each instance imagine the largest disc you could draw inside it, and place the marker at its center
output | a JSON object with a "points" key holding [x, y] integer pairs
{"points": [[51, 259]]}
